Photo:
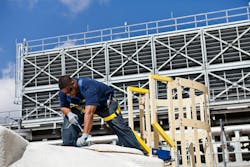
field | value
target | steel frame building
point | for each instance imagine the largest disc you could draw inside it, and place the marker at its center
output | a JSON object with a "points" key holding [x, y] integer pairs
{"points": [[211, 48]]}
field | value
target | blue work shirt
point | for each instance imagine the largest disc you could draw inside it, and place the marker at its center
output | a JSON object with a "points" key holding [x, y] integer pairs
{"points": [[91, 92]]}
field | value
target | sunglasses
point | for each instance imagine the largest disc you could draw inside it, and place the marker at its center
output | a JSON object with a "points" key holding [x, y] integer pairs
{"points": [[69, 89]]}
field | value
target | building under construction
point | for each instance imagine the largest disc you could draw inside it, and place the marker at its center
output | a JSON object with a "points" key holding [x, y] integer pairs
{"points": [[210, 48]]}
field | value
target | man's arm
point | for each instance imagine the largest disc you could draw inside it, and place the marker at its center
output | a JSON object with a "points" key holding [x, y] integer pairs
{"points": [[65, 110], [64, 104], [88, 123], [88, 118]]}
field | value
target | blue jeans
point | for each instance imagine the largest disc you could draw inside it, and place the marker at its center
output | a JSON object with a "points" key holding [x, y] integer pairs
{"points": [[125, 135], [70, 132]]}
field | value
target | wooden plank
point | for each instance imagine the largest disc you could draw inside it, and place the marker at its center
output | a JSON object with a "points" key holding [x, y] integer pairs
{"points": [[142, 121], [152, 88], [182, 128], [207, 156], [194, 115], [192, 84], [171, 119], [192, 159], [130, 109], [193, 123], [211, 161], [189, 128], [201, 135], [199, 99], [206, 109], [202, 113], [148, 121], [164, 102], [211, 152]]}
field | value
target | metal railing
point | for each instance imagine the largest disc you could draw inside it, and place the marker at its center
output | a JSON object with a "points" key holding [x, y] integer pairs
{"points": [[140, 29], [10, 118]]}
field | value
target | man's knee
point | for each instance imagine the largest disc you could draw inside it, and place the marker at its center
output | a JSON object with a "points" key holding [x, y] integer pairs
{"points": [[69, 134]]}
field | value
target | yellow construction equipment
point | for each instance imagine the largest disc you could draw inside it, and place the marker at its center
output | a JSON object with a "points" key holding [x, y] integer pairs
{"points": [[159, 129], [161, 78], [138, 90], [141, 142]]}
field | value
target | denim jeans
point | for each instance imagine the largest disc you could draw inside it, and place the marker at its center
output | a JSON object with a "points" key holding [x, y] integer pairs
{"points": [[70, 132], [125, 135]]}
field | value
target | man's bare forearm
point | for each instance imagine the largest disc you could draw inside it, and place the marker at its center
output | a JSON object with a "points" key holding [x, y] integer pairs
{"points": [[65, 110], [88, 118]]}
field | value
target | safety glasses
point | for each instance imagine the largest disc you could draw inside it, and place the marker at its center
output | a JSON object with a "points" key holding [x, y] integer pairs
{"points": [[69, 89]]}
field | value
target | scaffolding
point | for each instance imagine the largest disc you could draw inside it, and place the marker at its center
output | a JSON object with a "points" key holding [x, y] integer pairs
{"points": [[210, 48]]}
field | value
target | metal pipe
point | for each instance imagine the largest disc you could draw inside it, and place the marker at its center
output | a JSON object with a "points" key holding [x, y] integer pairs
{"points": [[91, 139], [231, 129]]}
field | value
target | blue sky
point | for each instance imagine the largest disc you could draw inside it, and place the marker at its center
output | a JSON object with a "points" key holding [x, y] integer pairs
{"points": [[32, 19]]}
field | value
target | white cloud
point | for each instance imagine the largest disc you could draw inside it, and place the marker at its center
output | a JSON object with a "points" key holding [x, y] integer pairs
{"points": [[9, 72], [25, 3], [7, 90], [76, 6], [7, 95], [66, 44]]}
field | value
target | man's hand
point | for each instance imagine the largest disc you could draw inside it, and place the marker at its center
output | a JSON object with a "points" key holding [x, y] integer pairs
{"points": [[73, 118], [82, 141]]}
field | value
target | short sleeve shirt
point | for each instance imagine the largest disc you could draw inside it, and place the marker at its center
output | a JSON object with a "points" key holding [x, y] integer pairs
{"points": [[91, 92]]}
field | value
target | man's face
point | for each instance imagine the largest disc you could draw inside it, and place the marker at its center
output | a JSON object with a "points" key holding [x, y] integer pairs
{"points": [[70, 90]]}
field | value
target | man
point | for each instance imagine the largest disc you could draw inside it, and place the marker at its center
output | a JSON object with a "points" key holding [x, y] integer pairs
{"points": [[94, 98]]}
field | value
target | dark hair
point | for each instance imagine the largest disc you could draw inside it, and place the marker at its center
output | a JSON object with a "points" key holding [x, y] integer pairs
{"points": [[64, 81]]}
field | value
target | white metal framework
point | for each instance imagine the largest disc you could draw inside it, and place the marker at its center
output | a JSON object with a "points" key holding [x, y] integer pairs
{"points": [[215, 55]]}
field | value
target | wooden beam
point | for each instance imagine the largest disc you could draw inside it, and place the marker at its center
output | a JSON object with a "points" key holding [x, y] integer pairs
{"points": [[153, 107], [130, 109], [191, 84], [164, 102], [171, 119], [201, 135], [192, 123], [182, 128], [194, 116], [148, 121], [142, 120], [192, 159]]}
